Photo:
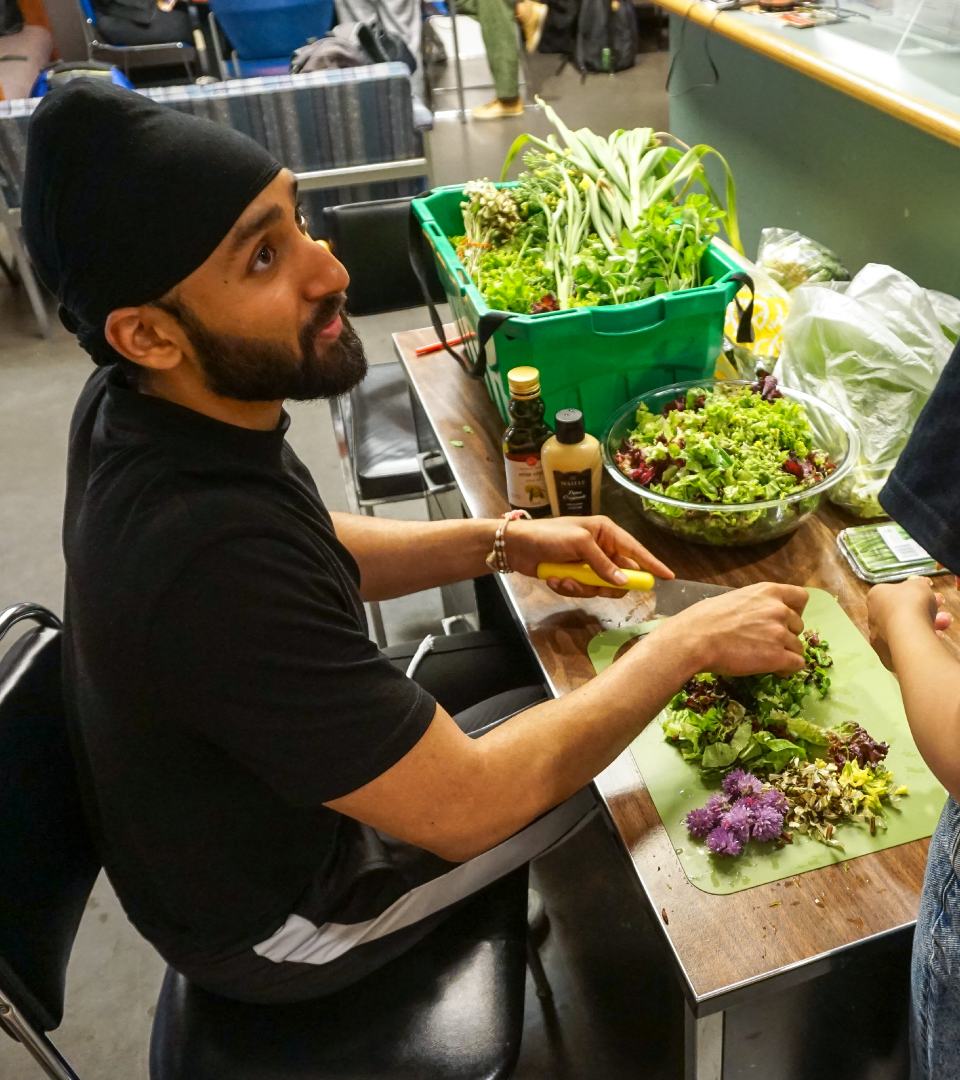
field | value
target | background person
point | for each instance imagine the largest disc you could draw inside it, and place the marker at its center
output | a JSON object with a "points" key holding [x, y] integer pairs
{"points": [[142, 22], [498, 23]]}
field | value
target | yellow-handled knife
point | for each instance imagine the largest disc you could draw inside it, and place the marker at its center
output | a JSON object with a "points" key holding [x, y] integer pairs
{"points": [[582, 572]]}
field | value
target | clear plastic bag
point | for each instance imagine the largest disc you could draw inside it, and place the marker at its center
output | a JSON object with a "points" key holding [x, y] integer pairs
{"points": [[793, 259], [874, 349], [771, 304]]}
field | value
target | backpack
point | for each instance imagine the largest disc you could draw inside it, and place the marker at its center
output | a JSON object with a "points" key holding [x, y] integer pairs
{"points": [[607, 38], [560, 29]]}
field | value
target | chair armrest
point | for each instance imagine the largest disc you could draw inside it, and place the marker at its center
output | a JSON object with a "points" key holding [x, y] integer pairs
{"points": [[19, 612]]}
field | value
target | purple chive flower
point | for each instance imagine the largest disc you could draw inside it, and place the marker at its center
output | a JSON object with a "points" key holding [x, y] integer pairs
{"points": [[718, 804], [751, 787], [702, 821], [732, 782], [775, 800], [722, 842], [768, 824], [739, 783], [750, 803], [737, 821]]}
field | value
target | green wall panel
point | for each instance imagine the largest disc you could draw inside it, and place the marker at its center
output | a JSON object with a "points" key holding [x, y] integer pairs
{"points": [[810, 158]]}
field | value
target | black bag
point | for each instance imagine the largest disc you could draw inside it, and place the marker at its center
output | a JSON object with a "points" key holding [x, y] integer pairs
{"points": [[560, 29], [382, 46], [11, 19], [607, 38]]}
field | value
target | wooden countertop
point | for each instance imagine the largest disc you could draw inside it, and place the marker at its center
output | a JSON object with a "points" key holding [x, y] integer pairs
{"points": [[787, 47], [721, 943]]}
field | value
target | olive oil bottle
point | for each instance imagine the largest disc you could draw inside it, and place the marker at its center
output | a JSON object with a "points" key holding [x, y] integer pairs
{"points": [[522, 441]]}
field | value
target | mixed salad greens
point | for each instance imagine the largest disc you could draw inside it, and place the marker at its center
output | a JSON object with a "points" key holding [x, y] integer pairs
{"points": [[737, 445], [720, 722], [593, 221], [729, 445], [815, 777]]}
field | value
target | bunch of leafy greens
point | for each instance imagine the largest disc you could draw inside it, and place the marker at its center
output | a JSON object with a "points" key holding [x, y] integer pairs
{"points": [[663, 254], [490, 219], [598, 221], [623, 176], [753, 722]]}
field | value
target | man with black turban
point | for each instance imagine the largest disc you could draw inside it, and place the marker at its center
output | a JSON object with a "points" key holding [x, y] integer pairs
{"points": [[279, 808]]}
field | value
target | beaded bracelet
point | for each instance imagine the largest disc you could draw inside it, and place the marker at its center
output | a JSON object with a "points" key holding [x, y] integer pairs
{"points": [[497, 559]]}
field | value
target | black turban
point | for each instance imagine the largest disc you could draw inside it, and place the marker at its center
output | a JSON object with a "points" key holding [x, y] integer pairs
{"points": [[123, 198]]}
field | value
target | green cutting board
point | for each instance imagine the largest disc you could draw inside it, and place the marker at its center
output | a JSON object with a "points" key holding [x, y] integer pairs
{"points": [[861, 690]]}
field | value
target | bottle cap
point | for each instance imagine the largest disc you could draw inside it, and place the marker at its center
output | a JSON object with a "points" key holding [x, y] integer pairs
{"points": [[570, 426], [524, 382]]}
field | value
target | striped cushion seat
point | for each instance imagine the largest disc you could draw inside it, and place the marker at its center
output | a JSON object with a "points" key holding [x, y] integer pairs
{"points": [[311, 121]]}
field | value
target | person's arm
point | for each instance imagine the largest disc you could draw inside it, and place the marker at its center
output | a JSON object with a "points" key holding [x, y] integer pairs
{"points": [[458, 796], [905, 629], [401, 557]]}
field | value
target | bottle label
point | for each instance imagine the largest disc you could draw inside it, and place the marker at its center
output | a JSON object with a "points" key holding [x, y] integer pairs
{"points": [[526, 487], [573, 493]]}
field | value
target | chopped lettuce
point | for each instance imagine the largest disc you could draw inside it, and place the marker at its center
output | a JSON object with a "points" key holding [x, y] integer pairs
{"points": [[720, 722], [724, 445]]}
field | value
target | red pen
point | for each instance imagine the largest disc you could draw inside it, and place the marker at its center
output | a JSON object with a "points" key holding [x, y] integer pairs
{"points": [[438, 345]]}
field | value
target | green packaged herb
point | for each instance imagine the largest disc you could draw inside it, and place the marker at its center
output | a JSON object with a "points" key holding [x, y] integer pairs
{"points": [[885, 553]]}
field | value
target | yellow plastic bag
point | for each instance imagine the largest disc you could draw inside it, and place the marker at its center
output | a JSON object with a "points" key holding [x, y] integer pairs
{"points": [[771, 306]]}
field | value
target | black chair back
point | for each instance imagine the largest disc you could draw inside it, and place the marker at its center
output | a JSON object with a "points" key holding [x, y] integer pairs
{"points": [[372, 240], [47, 860]]}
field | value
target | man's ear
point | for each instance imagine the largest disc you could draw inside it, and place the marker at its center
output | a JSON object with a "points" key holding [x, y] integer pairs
{"points": [[146, 335]]}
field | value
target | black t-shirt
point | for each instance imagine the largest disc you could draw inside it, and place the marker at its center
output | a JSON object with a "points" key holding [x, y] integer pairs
{"points": [[217, 670]]}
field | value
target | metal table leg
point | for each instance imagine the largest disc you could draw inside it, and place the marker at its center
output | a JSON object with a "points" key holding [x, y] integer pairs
{"points": [[451, 7], [703, 1046]]}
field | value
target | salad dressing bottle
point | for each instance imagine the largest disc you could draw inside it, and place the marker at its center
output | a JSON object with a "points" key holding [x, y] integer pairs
{"points": [[522, 441], [572, 467]]}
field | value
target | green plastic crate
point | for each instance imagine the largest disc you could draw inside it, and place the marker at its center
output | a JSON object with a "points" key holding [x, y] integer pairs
{"points": [[592, 358]]}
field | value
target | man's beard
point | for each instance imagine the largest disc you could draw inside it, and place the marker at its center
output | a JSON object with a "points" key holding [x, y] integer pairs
{"points": [[249, 369]]}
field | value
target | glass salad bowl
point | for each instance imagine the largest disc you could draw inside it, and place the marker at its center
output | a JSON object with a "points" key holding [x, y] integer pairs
{"points": [[733, 524]]}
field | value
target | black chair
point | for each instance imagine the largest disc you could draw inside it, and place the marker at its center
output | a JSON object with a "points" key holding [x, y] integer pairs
{"points": [[388, 452], [47, 862], [450, 1008]]}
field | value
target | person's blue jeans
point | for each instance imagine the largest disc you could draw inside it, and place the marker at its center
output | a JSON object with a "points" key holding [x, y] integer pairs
{"points": [[935, 978]]}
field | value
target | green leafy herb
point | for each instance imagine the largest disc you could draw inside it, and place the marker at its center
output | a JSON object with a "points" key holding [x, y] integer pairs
{"points": [[594, 222], [720, 722]]}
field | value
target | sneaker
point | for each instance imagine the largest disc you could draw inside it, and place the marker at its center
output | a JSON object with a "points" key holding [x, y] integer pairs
{"points": [[532, 17], [496, 109]]}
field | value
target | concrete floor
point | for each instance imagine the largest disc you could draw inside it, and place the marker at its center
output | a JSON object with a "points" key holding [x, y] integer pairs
{"points": [[616, 1013]]}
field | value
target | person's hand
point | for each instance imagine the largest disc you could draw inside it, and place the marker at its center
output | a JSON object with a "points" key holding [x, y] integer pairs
{"points": [[749, 631], [905, 602], [594, 540]]}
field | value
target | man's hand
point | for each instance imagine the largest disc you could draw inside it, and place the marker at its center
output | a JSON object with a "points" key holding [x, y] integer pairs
{"points": [[750, 631], [594, 540], [908, 602]]}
